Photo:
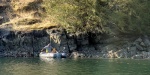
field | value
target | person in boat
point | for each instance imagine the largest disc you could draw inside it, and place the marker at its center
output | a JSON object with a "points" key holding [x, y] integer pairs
{"points": [[54, 50], [48, 48]]}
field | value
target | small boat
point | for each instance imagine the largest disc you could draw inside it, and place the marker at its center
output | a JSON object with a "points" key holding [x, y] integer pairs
{"points": [[52, 55]]}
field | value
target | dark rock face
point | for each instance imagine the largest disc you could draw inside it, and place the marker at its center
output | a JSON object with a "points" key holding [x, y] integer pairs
{"points": [[4, 6], [16, 43], [61, 41], [26, 44]]}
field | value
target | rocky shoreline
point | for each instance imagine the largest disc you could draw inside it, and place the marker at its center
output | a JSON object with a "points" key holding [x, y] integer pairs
{"points": [[29, 44], [15, 43]]}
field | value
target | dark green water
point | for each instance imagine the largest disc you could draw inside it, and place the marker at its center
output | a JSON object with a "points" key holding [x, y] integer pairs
{"points": [[36, 66]]}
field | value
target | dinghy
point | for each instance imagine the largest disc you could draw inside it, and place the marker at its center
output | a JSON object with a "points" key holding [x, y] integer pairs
{"points": [[52, 55]]}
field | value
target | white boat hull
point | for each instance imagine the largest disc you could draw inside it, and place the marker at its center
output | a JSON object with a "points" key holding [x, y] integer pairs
{"points": [[52, 55]]}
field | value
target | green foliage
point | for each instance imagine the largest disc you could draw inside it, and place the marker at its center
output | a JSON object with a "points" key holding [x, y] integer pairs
{"points": [[118, 16], [75, 15], [131, 16]]}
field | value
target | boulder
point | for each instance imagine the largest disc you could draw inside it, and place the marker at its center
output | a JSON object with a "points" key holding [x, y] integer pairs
{"points": [[77, 55], [139, 40], [142, 44], [132, 51], [121, 54], [140, 48], [137, 56], [72, 47], [98, 47], [109, 47], [148, 49], [146, 42], [145, 54]]}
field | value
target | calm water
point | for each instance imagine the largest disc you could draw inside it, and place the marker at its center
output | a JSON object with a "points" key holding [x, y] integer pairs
{"points": [[37, 66]]}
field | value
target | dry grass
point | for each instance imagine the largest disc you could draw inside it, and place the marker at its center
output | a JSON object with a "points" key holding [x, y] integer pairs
{"points": [[37, 26], [21, 21], [45, 24], [25, 14], [19, 4]]}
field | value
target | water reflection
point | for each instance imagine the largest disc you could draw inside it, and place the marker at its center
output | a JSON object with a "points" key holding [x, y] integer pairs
{"points": [[48, 60], [40, 66]]}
